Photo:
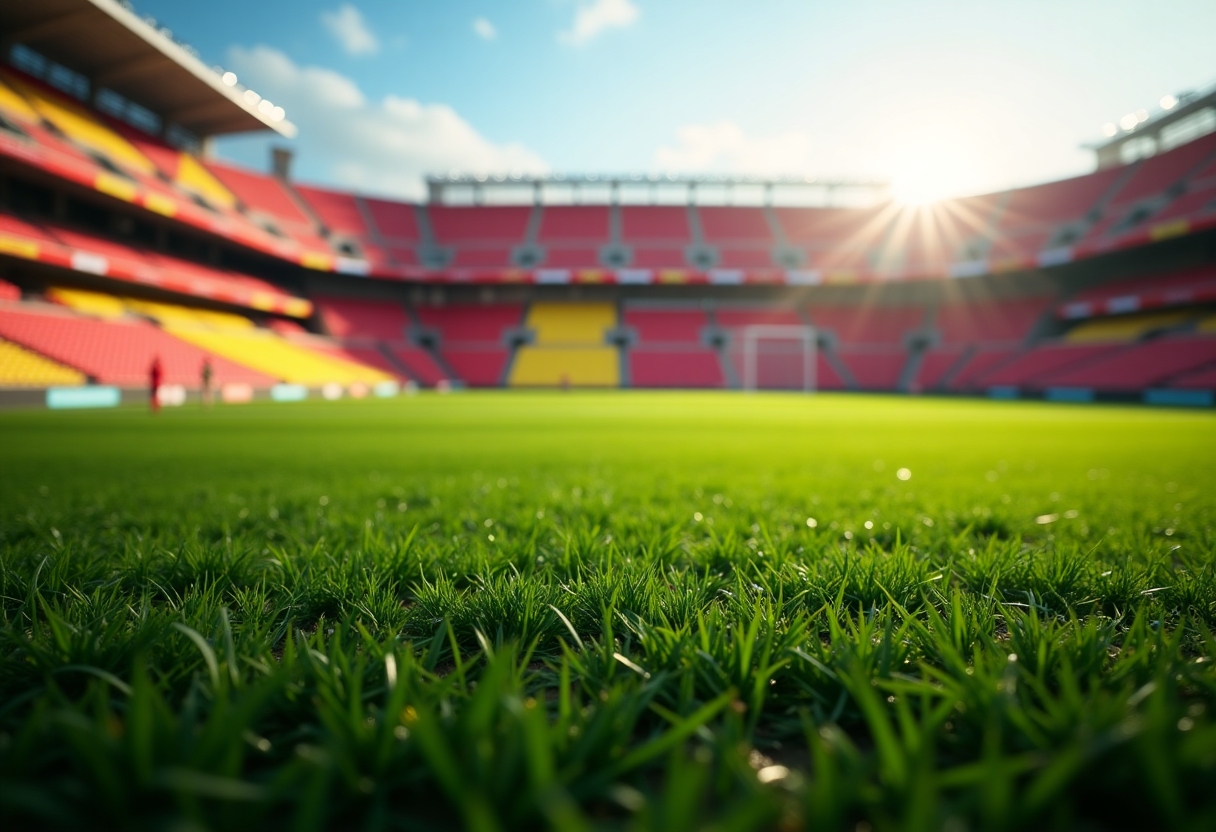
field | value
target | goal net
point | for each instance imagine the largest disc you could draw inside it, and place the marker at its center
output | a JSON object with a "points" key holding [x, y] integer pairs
{"points": [[777, 357]]}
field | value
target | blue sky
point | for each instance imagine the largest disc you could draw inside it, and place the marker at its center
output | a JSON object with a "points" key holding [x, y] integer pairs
{"points": [[978, 95]]}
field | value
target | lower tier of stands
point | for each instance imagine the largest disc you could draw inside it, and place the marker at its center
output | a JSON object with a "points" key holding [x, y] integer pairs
{"points": [[271, 355], [675, 367], [566, 367], [21, 368], [118, 352]]}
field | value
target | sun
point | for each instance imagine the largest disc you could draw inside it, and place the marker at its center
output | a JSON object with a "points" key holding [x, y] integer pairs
{"points": [[924, 176]]}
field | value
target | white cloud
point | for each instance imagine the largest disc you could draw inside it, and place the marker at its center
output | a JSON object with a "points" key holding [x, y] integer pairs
{"points": [[594, 16], [384, 146], [485, 29], [724, 148], [347, 25]]}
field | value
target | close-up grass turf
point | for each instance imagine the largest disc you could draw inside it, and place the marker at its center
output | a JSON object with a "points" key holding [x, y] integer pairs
{"points": [[609, 611]]}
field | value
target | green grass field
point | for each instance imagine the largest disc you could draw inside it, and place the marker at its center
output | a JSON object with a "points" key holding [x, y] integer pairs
{"points": [[609, 611]]}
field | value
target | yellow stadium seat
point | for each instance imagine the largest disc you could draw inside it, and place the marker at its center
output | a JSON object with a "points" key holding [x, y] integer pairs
{"points": [[21, 368], [78, 124], [1207, 324], [268, 353], [183, 316], [555, 367], [568, 324], [194, 177], [90, 303], [1124, 327], [13, 105]]}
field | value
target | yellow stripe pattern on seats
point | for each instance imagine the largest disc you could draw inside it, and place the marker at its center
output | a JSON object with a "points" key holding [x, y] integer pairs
{"points": [[569, 347], [168, 314], [229, 335], [1125, 327], [1207, 324], [90, 303], [194, 177], [570, 324], [21, 368], [13, 105], [79, 125], [268, 353]]}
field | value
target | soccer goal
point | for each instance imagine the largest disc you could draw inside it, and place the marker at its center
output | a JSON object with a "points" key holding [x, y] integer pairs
{"points": [[778, 357]]}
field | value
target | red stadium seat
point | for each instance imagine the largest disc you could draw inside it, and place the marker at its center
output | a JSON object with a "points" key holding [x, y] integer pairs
{"points": [[384, 320], [117, 352], [465, 224], [577, 223], [649, 223]]}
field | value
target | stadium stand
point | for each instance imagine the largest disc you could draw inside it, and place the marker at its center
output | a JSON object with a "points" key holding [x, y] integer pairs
{"points": [[1138, 366], [338, 212], [1150, 179], [96, 304], [270, 203], [726, 259], [116, 352], [78, 124], [20, 367], [670, 349], [1171, 288], [271, 355], [474, 225], [568, 348], [1125, 327], [577, 224], [936, 366], [1030, 369], [1199, 380], [990, 321], [379, 320], [395, 222], [868, 324], [471, 340]]}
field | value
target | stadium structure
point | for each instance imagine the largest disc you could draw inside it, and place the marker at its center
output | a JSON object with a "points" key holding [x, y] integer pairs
{"points": [[122, 239]]}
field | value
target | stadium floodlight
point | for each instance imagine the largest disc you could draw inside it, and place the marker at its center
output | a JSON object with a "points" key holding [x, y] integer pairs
{"points": [[1168, 102], [229, 78], [802, 337], [278, 114], [1109, 129], [1129, 122]]}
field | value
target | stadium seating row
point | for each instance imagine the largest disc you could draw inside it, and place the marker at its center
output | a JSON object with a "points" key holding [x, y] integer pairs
{"points": [[113, 340], [66, 248], [328, 230]]}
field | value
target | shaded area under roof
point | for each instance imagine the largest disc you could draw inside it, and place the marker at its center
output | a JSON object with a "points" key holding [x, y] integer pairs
{"points": [[116, 49]]}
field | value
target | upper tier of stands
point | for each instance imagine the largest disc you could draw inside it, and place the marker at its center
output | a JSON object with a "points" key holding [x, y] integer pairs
{"points": [[1172, 288], [1170, 193], [68, 248], [567, 224]]}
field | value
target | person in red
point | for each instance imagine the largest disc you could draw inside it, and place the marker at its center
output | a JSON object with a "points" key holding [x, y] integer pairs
{"points": [[155, 374]]}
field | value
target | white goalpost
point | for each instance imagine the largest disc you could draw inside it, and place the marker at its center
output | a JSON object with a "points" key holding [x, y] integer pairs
{"points": [[792, 338]]}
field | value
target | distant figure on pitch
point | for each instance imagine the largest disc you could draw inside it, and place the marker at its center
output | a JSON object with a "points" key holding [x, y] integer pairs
{"points": [[155, 375], [206, 374]]}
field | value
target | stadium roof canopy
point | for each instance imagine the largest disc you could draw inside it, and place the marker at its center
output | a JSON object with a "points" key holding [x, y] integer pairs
{"points": [[115, 48]]}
